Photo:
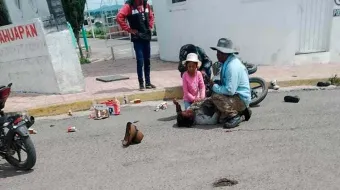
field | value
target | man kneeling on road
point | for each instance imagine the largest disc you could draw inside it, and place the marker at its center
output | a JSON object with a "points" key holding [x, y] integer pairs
{"points": [[232, 95]]}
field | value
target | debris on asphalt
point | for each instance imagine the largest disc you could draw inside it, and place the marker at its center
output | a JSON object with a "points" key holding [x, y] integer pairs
{"points": [[113, 106], [136, 101], [224, 182], [162, 106], [323, 84], [273, 85], [126, 101], [71, 129], [32, 131], [52, 125], [132, 135], [292, 99], [69, 113], [101, 111]]}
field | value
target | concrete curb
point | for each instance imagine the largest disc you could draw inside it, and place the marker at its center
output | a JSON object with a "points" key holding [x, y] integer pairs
{"points": [[155, 95]]}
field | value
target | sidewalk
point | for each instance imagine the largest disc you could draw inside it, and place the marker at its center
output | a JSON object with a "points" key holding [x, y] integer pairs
{"points": [[164, 75]]}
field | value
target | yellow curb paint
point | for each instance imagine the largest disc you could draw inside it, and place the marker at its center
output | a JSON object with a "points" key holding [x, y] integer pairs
{"points": [[152, 95], [168, 93]]}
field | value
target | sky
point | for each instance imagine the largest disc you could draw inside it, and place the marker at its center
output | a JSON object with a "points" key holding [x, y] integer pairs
{"points": [[94, 4]]}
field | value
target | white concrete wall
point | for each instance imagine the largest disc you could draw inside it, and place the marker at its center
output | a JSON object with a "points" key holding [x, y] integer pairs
{"points": [[265, 31], [39, 63], [65, 62], [335, 39], [26, 62], [29, 9]]}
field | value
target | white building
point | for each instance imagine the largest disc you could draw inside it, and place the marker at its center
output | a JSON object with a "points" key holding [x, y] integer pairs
{"points": [[266, 32]]}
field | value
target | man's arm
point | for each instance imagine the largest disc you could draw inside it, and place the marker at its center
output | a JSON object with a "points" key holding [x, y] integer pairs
{"points": [[121, 17], [231, 81], [151, 18]]}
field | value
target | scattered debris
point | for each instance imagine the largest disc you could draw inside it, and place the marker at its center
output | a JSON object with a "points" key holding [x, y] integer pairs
{"points": [[292, 99], [69, 113], [132, 135], [113, 106], [32, 131], [225, 182], [126, 101], [323, 84], [52, 125], [273, 85], [162, 106], [101, 111], [136, 101], [71, 129]]}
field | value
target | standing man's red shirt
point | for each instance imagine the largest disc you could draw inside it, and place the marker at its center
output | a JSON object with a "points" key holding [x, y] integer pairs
{"points": [[126, 11]]}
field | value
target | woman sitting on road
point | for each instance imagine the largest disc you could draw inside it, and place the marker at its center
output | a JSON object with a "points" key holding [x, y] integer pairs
{"points": [[193, 84], [199, 113]]}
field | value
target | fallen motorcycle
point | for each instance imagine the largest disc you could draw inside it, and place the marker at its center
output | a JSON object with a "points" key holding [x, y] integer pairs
{"points": [[14, 135], [255, 84]]}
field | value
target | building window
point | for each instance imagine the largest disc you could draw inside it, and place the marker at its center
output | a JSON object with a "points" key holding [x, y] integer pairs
{"points": [[177, 1]]}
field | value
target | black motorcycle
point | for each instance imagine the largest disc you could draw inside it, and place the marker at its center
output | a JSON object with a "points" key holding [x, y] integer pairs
{"points": [[15, 141], [255, 84]]}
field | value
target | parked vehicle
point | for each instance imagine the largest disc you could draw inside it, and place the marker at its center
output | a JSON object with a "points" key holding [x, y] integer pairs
{"points": [[14, 135]]}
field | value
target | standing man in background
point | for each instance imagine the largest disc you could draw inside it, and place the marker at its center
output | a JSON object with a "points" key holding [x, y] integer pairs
{"points": [[140, 17]]}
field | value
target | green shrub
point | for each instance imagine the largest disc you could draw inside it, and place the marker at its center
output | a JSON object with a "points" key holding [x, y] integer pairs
{"points": [[84, 61]]}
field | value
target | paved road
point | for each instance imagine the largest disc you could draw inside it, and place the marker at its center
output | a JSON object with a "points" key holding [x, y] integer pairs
{"points": [[283, 146], [122, 48]]}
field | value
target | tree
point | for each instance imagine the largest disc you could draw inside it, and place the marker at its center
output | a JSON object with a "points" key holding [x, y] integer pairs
{"points": [[74, 14]]}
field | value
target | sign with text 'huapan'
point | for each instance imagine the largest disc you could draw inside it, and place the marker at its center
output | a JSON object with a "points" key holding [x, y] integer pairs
{"points": [[18, 33]]}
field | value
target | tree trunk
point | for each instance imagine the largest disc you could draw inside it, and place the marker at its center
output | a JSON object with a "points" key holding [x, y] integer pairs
{"points": [[79, 45]]}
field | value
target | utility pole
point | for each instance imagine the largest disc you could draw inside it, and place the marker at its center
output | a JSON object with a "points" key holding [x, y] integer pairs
{"points": [[89, 20]]}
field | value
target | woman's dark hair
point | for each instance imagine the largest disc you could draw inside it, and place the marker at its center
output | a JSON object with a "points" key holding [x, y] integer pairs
{"points": [[184, 121]]}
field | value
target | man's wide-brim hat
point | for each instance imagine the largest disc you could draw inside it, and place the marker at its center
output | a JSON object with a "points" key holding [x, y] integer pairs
{"points": [[193, 57], [225, 45]]}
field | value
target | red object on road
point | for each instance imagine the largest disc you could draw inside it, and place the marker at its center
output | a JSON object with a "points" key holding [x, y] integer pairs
{"points": [[71, 129], [115, 104]]}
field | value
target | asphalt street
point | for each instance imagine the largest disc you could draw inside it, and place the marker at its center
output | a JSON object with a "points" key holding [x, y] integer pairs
{"points": [[283, 146]]}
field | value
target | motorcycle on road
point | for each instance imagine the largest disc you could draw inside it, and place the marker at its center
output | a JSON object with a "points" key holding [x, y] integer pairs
{"points": [[15, 142]]}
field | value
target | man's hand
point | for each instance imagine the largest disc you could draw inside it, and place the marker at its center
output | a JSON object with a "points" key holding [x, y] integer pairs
{"points": [[133, 31], [211, 83]]}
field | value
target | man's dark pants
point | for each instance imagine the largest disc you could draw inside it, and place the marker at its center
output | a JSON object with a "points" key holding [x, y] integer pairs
{"points": [[143, 51]]}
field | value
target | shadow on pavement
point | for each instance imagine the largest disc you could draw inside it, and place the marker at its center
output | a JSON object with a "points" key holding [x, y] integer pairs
{"points": [[171, 118], [6, 170]]}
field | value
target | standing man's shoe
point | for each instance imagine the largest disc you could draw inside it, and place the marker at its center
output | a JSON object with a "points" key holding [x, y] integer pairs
{"points": [[150, 86], [232, 123], [141, 87]]}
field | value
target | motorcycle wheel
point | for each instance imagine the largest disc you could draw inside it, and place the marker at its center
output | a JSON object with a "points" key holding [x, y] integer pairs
{"points": [[255, 97], [22, 144]]}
